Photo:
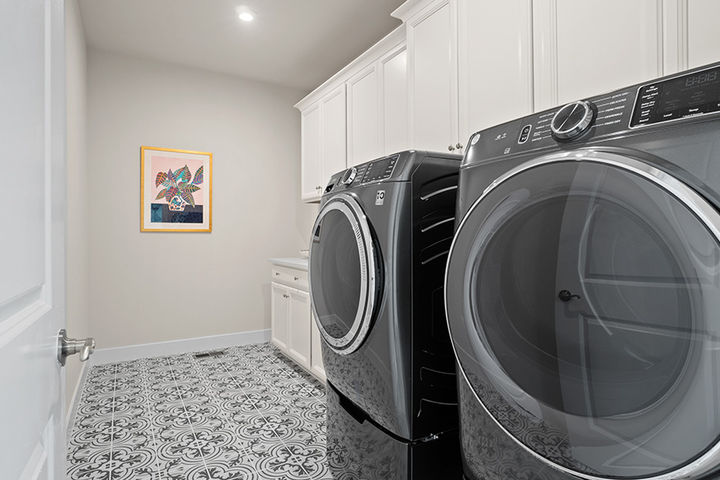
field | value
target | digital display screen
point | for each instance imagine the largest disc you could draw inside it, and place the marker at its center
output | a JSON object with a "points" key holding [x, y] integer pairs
{"points": [[689, 95], [380, 169]]}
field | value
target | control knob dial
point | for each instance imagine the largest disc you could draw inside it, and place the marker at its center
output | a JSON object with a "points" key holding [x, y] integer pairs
{"points": [[349, 176], [572, 120]]}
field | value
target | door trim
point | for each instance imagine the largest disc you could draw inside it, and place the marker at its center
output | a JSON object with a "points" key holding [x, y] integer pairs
{"points": [[705, 212], [351, 341]]}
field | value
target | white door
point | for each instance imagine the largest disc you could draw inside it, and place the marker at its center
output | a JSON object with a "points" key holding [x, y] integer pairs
{"points": [[279, 316], [394, 101], [32, 285], [332, 139], [312, 182], [432, 72], [571, 64], [363, 117], [495, 64], [299, 327]]}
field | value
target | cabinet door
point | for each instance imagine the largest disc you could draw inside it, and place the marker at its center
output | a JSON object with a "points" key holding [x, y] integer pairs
{"points": [[299, 327], [333, 138], [494, 63], [703, 32], [280, 301], [363, 99], [312, 182], [393, 68], [432, 71], [594, 46], [316, 361]]}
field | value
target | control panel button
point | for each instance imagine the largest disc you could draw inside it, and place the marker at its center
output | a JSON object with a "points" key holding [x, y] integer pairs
{"points": [[349, 176], [572, 120], [524, 134]]}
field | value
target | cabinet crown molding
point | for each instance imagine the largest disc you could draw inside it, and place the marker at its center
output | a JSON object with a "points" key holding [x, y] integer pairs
{"points": [[372, 54], [409, 9]]}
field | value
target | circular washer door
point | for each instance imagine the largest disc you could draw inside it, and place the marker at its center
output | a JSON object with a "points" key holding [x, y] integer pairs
{"points": [[583, 301], [343, 271]]}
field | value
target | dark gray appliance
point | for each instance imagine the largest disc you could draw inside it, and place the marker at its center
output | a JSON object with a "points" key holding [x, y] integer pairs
{"points": [[377, 261], [583, 288]]}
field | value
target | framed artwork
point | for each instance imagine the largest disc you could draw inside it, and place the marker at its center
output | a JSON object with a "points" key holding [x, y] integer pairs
{"points": [[175, 190]]}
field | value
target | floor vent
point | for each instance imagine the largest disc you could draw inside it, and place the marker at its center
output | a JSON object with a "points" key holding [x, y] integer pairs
{"points": [[213, 353]]}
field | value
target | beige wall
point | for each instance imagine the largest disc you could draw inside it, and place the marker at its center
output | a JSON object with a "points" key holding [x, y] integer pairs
{"points": [[149, 287], [77, 187]]}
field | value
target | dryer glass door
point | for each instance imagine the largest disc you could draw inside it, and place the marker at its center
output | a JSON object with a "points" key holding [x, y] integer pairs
{"points": [[583, 299], [343, 273]]}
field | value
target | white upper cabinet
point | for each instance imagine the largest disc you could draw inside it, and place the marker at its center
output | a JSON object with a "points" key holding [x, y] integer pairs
{"points": [[432, 77], [364, 126], [495, 62], [311, 170], [703, 32], [393, 68], [585, 48]]}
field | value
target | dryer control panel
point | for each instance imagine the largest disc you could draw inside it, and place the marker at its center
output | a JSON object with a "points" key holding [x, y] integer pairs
{"points": [[684, 96]]}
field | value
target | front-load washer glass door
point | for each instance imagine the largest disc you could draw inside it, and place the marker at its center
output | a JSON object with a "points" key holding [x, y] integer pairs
{"points": [[343, 270], [583, 300]]}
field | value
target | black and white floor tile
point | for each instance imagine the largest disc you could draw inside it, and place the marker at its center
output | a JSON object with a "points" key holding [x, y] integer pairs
{"points": [[248, 414]]}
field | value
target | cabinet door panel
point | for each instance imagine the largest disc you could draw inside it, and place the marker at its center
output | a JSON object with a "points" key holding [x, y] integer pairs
{"points": [[299, 327], [494, 62], [279, 316], [334, 124], [703, 32], [395, 101], [316, 361], [433, 74], [594, 46], [364, 117], [311, 160]]}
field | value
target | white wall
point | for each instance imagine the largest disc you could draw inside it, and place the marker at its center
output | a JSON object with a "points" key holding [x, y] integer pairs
{"points": [[77, 187], [149, 287]]}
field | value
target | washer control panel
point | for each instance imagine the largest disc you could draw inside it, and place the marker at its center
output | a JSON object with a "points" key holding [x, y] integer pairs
{"points": [[684, 96], [374, 171]]}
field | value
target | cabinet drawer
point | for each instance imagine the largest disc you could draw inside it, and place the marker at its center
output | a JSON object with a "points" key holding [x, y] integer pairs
{"points": [[290, 277]]}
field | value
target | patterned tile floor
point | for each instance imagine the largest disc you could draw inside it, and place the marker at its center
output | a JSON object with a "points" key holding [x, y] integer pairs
{"points": [[245, 415]]}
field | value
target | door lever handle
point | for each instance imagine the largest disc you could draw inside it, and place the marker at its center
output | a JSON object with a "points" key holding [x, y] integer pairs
{"points": [[566, 295], [70, 346]]}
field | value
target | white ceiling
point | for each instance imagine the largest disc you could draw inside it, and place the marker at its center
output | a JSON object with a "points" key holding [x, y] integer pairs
{"points": [[296, 43]]}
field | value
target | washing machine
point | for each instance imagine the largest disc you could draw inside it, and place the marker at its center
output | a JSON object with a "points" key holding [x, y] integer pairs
{"points": [[377, 259], [583, 288]]}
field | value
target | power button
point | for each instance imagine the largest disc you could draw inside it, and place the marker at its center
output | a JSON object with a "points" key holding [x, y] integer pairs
{"points": [[524, 134]]}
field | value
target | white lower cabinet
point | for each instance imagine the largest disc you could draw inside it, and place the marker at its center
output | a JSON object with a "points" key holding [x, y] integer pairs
{"points": [[293, 328]]}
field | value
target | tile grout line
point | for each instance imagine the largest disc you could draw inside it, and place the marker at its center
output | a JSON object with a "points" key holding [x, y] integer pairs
{"points": [[146, 392], [187, 416], [232, 375], [112, 424]]}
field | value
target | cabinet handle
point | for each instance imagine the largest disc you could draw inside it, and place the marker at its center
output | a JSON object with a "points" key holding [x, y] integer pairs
{"points": [[451, 148], [459, 146], [296, 278], [277, 274], [319, 187], [286, 296]]}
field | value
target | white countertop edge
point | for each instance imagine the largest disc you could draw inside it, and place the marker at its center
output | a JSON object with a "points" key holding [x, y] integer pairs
{"points": [[291, 262]]}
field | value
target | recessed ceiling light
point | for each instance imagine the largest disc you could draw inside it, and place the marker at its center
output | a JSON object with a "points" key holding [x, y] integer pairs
{"points": [[245, 15]]}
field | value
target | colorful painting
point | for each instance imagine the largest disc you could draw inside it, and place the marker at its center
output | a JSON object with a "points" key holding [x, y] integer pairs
{"points": [[176, 190]]}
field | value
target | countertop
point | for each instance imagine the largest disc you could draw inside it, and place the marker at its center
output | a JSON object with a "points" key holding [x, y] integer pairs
{"points": [[291, 262]]}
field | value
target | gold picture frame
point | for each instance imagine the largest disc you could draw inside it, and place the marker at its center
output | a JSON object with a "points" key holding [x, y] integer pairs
{"points": [[175, 190]]}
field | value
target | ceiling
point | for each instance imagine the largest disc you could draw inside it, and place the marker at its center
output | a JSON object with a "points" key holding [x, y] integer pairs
{"points": [[295, 43]]}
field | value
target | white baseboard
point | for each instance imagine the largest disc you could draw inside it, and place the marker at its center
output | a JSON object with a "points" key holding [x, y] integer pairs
{"points": [[75, 400], [174, 347]]}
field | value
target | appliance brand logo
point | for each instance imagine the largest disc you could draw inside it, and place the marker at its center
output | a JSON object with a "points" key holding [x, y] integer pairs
{"points": [[380, 197]]}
